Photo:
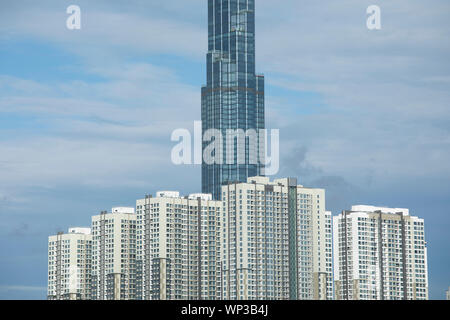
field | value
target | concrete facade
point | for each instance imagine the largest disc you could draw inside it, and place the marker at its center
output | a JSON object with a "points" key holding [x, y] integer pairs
{"points": [[379, 254], [69, 265], [178, 247], [275, 241]]}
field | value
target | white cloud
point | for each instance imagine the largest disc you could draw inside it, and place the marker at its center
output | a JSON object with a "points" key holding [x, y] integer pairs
{"points": [[384, 93], [106, 28], [96, 133]]}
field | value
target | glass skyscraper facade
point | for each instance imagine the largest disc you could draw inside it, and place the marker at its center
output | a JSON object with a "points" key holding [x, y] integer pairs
{"points": [[233, 97]]}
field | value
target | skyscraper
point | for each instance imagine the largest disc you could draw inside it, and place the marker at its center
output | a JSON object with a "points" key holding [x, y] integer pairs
{"points": [[379, 254], [178, 247], [275, 241], [233, 97]]}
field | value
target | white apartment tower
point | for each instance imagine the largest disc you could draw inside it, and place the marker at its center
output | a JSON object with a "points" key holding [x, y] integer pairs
{"points": [[114, 255], [379, 254], [275, 241], [69, 265], [178, 247]]}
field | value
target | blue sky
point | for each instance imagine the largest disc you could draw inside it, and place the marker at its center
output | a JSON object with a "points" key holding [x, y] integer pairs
{"points": [[86, 115]]}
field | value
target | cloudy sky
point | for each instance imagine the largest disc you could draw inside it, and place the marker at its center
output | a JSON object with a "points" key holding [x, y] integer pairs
{"points": [[86, 115]]}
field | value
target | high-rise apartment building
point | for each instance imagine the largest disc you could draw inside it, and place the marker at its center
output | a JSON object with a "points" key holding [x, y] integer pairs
{"points": [[69, 265], [379, 254], [178, 247], [114, 255], [275, 241], [233, 97], [447, 294]]}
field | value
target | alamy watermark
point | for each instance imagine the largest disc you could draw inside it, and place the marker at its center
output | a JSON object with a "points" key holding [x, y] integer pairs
{"points": [[374, 19], [73, 22], [74, 273], [373, 22], [230, 146]]}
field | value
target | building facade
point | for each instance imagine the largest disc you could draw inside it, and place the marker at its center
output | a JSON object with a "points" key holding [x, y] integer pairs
{"points": [[178, 247], [379, 254], [447, 294], [114, 255], [69, 265], [275, 241], [233, 97]]}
